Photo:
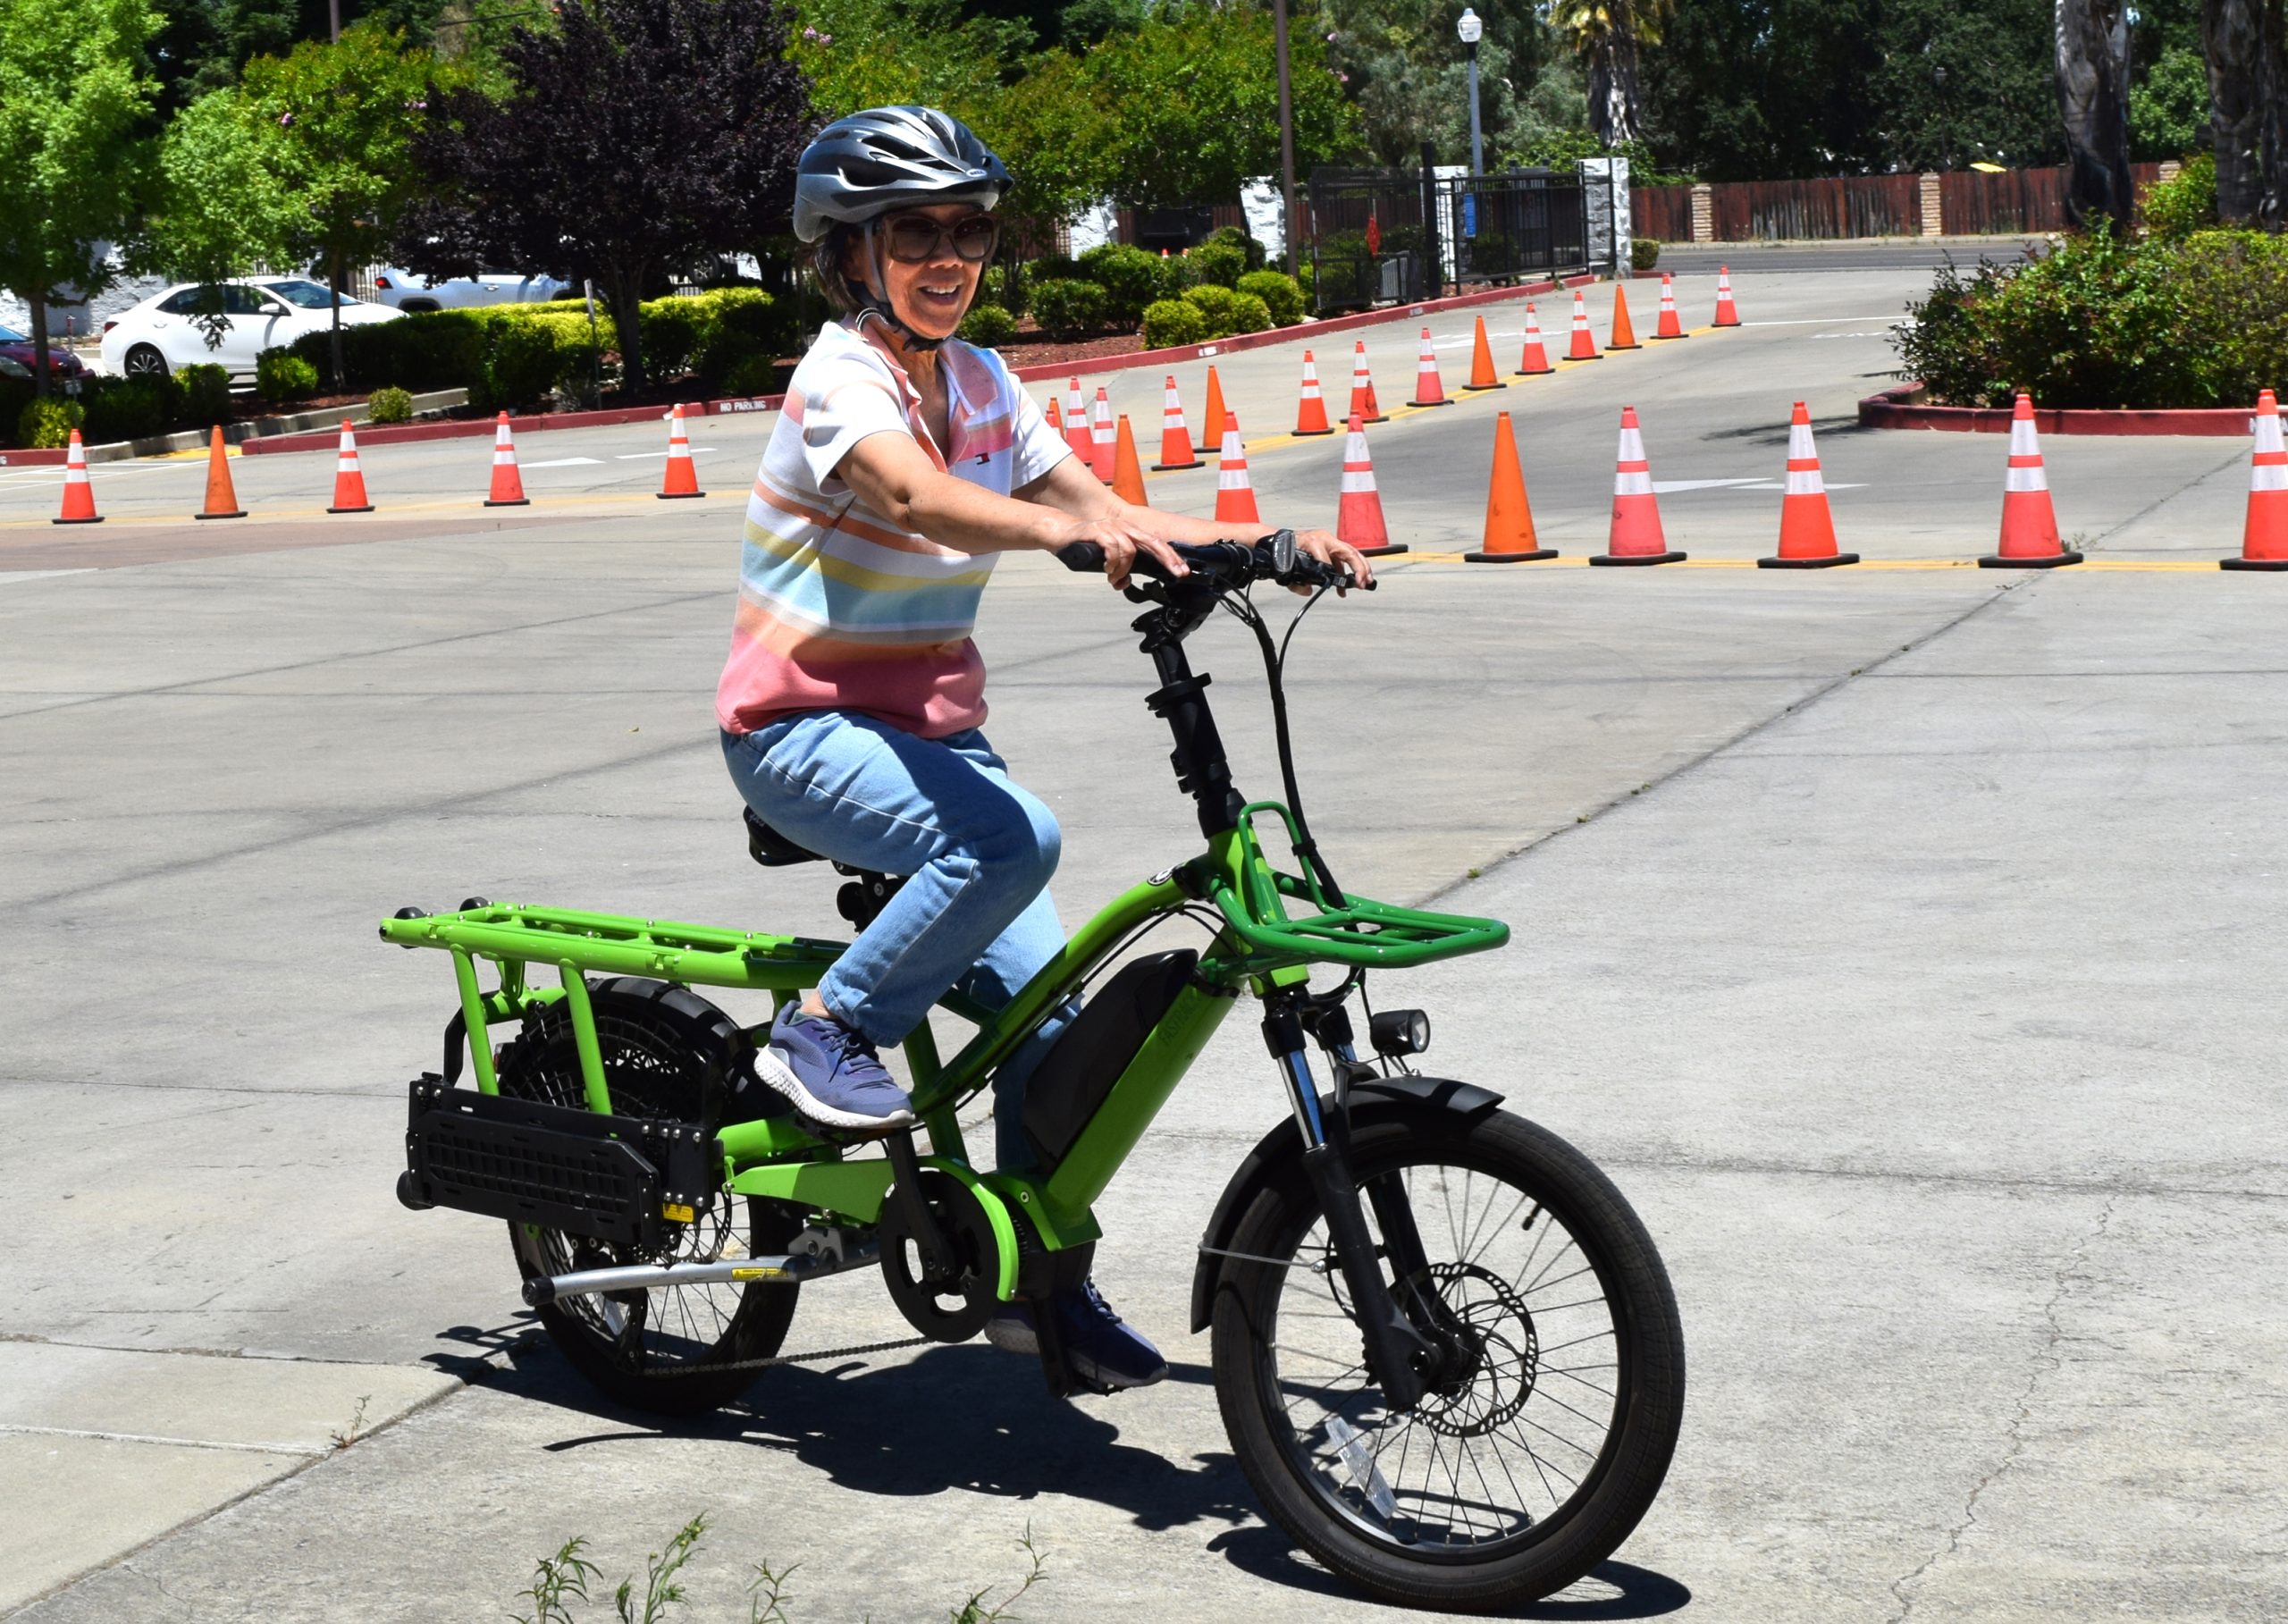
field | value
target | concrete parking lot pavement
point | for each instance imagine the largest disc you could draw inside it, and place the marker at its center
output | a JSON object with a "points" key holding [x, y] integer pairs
{"points": [[1899, 939]]}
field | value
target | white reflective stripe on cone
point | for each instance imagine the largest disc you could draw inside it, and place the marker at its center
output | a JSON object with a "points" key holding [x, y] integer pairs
{"points": [[2024, 440], [1357, 482], [1805, 483], [1799, 443], [2027, 479], [1632, 447], [2264, 476], [1638, 482]]}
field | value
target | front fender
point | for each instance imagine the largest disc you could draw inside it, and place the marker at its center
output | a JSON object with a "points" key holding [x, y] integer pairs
{"points": [[1277, 1158]]}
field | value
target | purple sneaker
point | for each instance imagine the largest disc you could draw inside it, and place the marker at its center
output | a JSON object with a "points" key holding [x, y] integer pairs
{"points": [[1103, 1349], [831, 1073]]}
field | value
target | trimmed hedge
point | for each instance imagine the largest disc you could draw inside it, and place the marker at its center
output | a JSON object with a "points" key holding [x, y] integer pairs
{"points": [[205, 387], [1133, 279], [1222, 264], [2103, 322], [512, 355], [1171, 321], [1281, 294], [988, 326], [1067, 307], [45, 424], [390, 404], [281, 374]]}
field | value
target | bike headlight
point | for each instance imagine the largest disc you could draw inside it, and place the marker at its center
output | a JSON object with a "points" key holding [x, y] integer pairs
{"points": [[1399, 1031]]}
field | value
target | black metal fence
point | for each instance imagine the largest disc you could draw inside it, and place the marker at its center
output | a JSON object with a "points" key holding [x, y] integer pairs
{"points": [[1382, 236]]}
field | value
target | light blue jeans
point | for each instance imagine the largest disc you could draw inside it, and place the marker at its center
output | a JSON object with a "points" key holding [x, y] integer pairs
{"points": [[974, 914]]}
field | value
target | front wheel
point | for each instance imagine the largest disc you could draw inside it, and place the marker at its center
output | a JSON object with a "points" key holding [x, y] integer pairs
{"points": [[1553, 1417]]}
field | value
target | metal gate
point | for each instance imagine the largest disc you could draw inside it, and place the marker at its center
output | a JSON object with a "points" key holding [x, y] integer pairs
{"points": [[1369, 245], [1523, 225]]}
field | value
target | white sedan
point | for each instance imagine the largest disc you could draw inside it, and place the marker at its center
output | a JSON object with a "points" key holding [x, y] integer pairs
{"points": [[164, 334], [413, 293]]}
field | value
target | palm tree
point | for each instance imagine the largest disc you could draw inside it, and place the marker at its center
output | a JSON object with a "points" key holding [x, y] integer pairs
{"points": [[1608, 33], [2094, 99]]}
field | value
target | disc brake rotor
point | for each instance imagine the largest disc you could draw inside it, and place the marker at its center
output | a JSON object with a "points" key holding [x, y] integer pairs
{"points": [[952, 1304], [1494, 1323]]}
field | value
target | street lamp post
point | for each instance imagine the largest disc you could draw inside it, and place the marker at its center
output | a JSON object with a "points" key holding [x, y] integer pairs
{"points": [[1472, 30]]}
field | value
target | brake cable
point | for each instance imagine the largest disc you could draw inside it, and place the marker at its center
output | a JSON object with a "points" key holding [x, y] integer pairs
{"points": [[1275, 666]]}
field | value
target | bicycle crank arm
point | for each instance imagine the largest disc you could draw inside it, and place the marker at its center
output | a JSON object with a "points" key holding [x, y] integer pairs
{"points": [[1396, 1352], [646, 1276]]}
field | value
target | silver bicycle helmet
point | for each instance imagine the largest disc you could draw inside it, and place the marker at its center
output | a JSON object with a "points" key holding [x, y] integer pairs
{"points": [[861, 167]]}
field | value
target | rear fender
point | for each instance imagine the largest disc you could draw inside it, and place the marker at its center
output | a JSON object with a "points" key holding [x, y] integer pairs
{"points": [[1277, 1160]]}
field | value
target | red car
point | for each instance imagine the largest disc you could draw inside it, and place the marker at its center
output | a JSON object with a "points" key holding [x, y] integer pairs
{"points": [[16, 358]]}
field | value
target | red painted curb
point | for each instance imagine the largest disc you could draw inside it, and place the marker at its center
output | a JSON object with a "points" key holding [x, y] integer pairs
{"points": [[400, 433], [1288, 335], [1896, 408], [53, 458]]}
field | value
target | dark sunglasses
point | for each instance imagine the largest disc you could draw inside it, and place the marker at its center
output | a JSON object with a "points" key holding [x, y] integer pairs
{"points": [[916, 239]]}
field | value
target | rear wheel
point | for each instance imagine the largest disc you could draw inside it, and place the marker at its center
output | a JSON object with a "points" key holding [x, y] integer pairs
{"points": [[667, 1053], [144, 361], [1548, 1431]]}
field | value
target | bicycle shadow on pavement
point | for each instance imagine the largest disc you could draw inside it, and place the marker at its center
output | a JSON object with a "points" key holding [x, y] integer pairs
{"points": [[973, 1418], [964, 1417]]}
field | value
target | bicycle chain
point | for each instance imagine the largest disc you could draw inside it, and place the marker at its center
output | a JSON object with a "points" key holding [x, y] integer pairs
{"points": [[790, 1358]]}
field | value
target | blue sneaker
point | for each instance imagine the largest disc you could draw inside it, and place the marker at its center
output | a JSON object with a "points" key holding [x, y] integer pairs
{"points": [[1102, 1348], [831, 1073]]}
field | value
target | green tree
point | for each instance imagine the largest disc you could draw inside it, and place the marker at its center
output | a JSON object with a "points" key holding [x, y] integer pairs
{"points": [[223, 204], [2168, 109], [1765, 89], [1956, 84], [1193, 99], [346, 115], [1607, 34], [73, 161], [1402, 63]]}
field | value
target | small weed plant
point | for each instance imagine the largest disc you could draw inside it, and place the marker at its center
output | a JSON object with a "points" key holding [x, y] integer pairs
{"points": [[569, 1577]]}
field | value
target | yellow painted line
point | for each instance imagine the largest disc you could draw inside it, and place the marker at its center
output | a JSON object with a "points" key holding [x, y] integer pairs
{"points": [[384, 510]]}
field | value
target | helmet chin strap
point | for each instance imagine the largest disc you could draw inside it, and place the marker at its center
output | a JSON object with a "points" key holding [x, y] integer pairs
{"points": [[877, 302]]}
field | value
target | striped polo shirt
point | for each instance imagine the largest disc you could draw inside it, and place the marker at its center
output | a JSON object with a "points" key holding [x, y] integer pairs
{"points": [[838, 607]]}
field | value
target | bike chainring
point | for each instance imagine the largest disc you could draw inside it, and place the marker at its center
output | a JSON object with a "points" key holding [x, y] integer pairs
{"points": [[952, 1304]]}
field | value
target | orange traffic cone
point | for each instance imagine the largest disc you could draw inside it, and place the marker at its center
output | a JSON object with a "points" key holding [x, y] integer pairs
{"points": [[2264, 541], [1636, 536], [1429, 388], [1359, 516], [1669, 327], [2029, 522], [1310, 410], [79, 495], [1728, 314], [348, 479], [507, 484], [1481, 362], [1806, 527], [681, 477], [1534, 361], [1213, 444], [1100, 438], [1175, 436], [1127, 473], [1585, 342], [1363, 405], [222, 501], [1624, 333], [1234, 496], [1509, 537], [1055, 417], [1076, 425]]}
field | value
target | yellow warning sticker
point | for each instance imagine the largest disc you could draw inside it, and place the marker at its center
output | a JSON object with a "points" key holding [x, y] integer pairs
{"points": [[676, 1212], [759, 1273]]}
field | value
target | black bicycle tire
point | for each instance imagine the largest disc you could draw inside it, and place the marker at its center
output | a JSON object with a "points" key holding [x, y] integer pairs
{"points": [[1636, 1458], [716, 1047]]}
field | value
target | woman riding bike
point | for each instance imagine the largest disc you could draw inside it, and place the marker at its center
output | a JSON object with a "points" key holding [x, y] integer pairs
{"points": [[904, 462]]}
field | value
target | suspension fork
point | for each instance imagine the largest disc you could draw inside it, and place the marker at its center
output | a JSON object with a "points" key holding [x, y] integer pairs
{"points": [[1409, 1261], [1397, 1354]]}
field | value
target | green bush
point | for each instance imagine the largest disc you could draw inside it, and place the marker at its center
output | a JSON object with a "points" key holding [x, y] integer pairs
{"points": [[1281, 294], [15, 394], [1132, 279], [2100, 320], [1068, 308], [281, 374], [1003, 286], [2186, 203], [747, 325], [1232, 236], [673, 331], [390, 404], [988, 326], [44, 424], [1306, 276], [1218, 308], [1171, 321], [521, 367], [1219, 264], [1249, 314], [757, 374], [206, 393], [1643, 253], [1054, 267], [132, 409]]}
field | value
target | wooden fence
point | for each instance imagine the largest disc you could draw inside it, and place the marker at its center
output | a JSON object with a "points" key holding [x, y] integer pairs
{"points": [[1966, 203]]}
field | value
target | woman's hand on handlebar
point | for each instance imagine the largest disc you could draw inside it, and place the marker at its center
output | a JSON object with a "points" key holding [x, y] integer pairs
{"points": [[1331, 550], [1121, 539]]}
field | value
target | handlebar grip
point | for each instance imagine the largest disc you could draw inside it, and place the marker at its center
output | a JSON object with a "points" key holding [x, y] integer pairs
{"points": [[1082, 557]]}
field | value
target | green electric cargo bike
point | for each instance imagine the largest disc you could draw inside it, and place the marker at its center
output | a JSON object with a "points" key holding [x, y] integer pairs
{"points": [[1446, 1352]]}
